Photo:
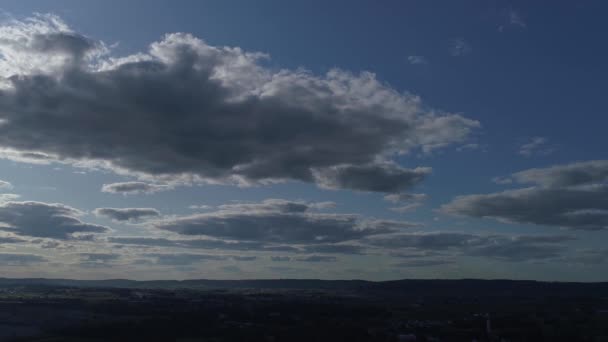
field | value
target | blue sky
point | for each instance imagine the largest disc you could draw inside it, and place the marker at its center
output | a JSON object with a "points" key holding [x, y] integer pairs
{"points": [[453, 139]]}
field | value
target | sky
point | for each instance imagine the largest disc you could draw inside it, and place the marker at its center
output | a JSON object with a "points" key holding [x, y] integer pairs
{"points": [[313, 139]]}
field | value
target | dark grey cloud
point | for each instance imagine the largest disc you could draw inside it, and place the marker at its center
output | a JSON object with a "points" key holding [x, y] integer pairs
{"points": [[317, 258], [18, 259], [573, 196], [522, 248], [187, 111], [278, 221], [280, 258], [334, 249], [582, 173], [385, 177], [237, 245], [430, 241], [588, 257], [132, 188], [574, 208], [127, 214], [244, 257], [200, 244], [44, 220], [231, 268], [11, 239], [422, 263], [405, 197], [420, 246]]}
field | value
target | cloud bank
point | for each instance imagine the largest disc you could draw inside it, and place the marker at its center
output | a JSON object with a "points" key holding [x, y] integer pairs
{"points": [[572, 196]]}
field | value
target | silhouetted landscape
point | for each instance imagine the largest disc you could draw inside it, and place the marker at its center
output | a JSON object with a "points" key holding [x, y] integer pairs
{"points": [[302, 310]]}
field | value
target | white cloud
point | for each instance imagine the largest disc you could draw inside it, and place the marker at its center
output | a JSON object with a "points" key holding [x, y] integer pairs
{"points": [[536, 146], [5, 185], [459, 47], [417, 60]]}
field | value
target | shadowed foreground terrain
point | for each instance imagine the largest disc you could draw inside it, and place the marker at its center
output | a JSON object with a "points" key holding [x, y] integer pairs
{"points": [[302, 310]]}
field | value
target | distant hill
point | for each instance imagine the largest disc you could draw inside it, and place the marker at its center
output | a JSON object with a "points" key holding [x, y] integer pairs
{"points": [[406, 287]]}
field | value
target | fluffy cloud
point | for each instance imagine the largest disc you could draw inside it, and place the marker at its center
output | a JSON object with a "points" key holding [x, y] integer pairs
{"points": [[132, 188], [278, 221], [186, 110], [8, 197], [44, 220], [127, 214], [573, 196]]}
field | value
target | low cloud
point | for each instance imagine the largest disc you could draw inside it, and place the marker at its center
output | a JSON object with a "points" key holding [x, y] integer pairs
{"points": [[133, 188], [127, 214], [422, 263], [18, 259], [11, 239], [574, 174], [178, 259], [499, 247], [386, 177], [278, 221], [571, 196], [44, 220], [317, 258], [97, 259]]}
